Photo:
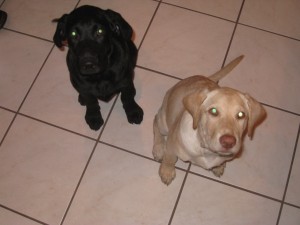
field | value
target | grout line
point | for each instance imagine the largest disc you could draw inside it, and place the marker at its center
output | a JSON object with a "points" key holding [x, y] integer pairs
{"points": [[58, 127], [149, 25], [157, 72], [268, 31], [292, 205], [136, 154], [23, 215], [289, 176], [235, 186], [280, 109], [199, 12], [28, 35], [2, 3], [233, 33], [179, 194]]}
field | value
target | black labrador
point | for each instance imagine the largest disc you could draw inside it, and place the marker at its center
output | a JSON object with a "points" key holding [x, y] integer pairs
{"points": [[101, 60]]}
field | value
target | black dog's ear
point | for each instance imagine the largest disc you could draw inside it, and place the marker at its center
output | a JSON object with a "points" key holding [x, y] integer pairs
{"points": [[118, 25], [60, 34]]}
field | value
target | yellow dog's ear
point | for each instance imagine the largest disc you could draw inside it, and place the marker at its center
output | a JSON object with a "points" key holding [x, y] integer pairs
{"points": [[256, 114], [192, 104]]}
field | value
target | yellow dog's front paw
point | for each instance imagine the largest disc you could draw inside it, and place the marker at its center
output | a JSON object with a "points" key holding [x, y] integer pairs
{"points": [[167, 173], [219, 170]]}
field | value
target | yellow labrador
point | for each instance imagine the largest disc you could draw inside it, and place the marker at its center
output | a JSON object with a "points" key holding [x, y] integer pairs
{"points": [[203, 123]]}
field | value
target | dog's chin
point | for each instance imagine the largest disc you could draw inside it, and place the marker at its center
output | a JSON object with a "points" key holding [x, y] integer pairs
{"points": [[223, 153], [90, 72]]}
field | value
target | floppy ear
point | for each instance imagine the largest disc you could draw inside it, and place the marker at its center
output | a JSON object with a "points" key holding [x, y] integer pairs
{"points": [[60, 33], [192, 104], [118, 25], [256, 114]]}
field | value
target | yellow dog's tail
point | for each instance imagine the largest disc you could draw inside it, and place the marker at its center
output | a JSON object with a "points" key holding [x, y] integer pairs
{"points": [[225, 70]]}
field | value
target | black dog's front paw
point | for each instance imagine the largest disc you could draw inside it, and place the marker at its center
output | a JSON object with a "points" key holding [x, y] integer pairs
{"points": [[94, 121], [134, 113]]}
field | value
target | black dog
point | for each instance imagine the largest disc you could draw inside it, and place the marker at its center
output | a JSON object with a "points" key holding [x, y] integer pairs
{"points": [[101, 60]]}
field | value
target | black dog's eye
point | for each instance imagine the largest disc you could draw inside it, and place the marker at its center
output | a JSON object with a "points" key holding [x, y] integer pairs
{"points": [[74, 34], [99, 32]]}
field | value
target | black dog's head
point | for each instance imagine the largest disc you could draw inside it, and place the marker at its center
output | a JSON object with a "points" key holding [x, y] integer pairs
{"points": [[89, 31]]}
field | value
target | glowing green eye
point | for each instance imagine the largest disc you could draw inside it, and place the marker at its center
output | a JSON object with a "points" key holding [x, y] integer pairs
{"points": [[74, 34], [99, 31], [241, 115], [213, 111]]}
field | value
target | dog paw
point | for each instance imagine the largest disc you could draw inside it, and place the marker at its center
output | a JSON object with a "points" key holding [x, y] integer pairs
{"points": [[158, 152], [95, 122], [134, 114], [219, 170], [167, 173]]}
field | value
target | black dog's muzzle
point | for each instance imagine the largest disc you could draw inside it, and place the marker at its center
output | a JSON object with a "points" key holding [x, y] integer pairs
{"points": [[89, 64]]}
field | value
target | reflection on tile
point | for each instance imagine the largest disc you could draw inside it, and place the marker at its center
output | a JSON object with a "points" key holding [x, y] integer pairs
{"points": [[34, 16], [19, 65], [213, 203], [290, 216], [265, 161], [270, 69], [292, 195], [8, 217], [39, 169], [185, 45], [5, 119], [226, 9], [53, 98], [277, 16], [137, 13], [120, 188]]}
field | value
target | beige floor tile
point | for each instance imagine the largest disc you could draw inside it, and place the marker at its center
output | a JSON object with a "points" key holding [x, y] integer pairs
{"points": [[39, 169], [270, 69], [290, 216], [224, 9], [276, 16], [212, 203], [8, 217], [120, 188], [35, 17], [21, 59], [5, 120], [292, 195], [190, 43]]}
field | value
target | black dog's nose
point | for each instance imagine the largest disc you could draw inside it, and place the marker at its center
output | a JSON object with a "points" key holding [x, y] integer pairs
{"points": [[89, 66]]}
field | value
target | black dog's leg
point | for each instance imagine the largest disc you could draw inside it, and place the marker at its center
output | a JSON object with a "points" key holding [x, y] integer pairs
{"points": [[133, 111], [93, 115]]}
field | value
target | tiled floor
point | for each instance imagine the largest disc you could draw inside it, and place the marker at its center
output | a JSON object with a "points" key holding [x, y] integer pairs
{"points": [[55, 170]]}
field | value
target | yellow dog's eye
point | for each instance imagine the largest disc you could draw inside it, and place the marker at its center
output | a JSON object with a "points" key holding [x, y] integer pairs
{"points": [[213, 111], [240, 115]]}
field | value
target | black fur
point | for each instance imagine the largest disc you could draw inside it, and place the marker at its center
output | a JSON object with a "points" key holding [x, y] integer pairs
{"points": [[101, 60]]}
